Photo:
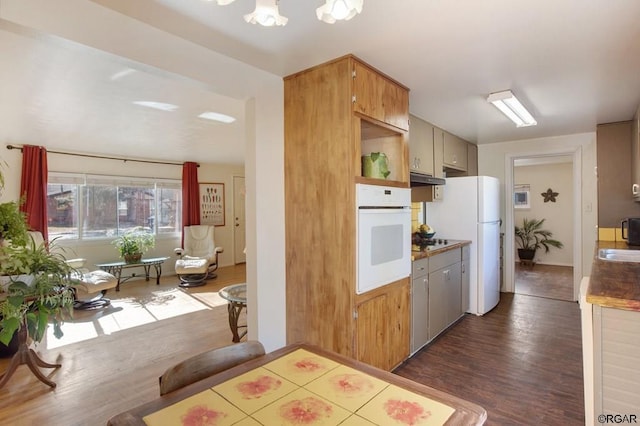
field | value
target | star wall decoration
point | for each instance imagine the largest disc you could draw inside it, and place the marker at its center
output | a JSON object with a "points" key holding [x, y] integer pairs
{"points": [[549, 196]]}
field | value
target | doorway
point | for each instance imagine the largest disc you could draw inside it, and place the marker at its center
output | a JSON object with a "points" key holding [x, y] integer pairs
{"points": [[239, 233], [543, 193], [561, 267]]}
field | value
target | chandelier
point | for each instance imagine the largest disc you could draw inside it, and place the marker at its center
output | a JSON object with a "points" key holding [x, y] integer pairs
{"points": [[267, 14]]}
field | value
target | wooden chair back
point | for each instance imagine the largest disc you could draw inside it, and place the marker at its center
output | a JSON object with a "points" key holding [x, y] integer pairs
{"points": [[207, 364]]}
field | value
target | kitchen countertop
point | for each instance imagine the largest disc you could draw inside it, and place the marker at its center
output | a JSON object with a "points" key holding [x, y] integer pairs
{"points": [[430, 251], [614, 284]]}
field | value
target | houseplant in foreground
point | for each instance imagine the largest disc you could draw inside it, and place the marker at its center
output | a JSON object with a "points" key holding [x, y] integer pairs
{"points": [[133, 244], [32, 302], [530, 237], [13, 226]]}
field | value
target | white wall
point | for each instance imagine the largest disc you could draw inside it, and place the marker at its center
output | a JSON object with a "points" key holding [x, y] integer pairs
{"points": [[88, 23], [558, 215], [492, 160]]}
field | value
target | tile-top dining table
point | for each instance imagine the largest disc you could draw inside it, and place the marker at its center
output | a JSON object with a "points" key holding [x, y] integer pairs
{"points": [[304, 385]]}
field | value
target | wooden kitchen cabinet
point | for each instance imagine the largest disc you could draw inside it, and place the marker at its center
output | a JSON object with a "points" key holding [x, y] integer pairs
{"points": [[438, 152], [455, 152], [472, 159], [454, 293], [437, 191], [419, 304], [383, 331], [466, 278], [420, 146], [379, 97], [326, 133], [445, 295], [610, 338]]}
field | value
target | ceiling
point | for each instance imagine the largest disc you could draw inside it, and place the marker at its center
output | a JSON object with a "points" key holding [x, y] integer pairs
{"points": [[573, 63]]}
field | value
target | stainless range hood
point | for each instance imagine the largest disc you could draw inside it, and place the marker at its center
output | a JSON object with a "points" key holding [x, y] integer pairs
{"points": [[418, 179]]}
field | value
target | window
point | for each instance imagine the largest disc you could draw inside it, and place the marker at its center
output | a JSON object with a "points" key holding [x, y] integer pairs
{"points": [[89, 206]]}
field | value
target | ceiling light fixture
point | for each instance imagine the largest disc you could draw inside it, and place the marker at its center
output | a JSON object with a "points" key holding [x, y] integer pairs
{"points": [[216, 116], [157, 105], [511, 107], [267, 14], [339, 10]]}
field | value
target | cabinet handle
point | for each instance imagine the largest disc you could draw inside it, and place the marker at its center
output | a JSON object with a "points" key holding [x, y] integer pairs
{"points": [[426, 284], [463, 268], [634, 189]]}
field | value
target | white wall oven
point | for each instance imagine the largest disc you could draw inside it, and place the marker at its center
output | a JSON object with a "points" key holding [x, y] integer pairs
{"points": [[384, 235]]}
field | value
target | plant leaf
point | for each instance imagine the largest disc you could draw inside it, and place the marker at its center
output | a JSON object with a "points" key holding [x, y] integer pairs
{"points": [[9, 327]]}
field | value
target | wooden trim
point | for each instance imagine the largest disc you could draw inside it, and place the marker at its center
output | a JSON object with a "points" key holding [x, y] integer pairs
{"points": [[341, 58]]}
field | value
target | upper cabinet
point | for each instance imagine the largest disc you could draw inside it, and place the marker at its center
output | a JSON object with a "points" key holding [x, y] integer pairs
{"points": [[438, 152], [455, 152], [420, 146], [472, 160], [378, 97]]}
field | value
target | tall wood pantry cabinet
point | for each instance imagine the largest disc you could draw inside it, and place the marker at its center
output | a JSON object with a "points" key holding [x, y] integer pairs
{"points": [[335, 113]]}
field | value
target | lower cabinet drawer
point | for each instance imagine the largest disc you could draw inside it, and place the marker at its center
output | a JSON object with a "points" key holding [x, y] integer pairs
{"points": [[420, 267], [443, 260]]}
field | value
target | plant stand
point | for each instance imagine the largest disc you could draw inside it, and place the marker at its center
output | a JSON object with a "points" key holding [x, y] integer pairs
{"points": [[527, 262], [28, 356]]}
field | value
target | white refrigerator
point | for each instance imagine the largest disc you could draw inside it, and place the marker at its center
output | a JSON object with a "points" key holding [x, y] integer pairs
{"points": [[470, 210]]}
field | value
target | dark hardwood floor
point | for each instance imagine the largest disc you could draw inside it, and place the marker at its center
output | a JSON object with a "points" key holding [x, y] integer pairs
{"points": [[555, 282], [522, 362]]}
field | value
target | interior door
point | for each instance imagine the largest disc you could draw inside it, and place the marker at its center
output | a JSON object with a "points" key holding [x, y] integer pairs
{"points": [[239, 242]]}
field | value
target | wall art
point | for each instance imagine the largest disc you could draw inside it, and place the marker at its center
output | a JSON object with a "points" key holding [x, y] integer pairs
{"points": [[212, 204]]}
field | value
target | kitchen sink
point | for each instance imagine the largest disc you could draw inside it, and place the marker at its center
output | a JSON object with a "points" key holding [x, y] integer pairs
{"points": [[619, 255]]}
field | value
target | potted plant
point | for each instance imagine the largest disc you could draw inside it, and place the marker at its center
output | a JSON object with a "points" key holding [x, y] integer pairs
{"points": [[31, 303], [13, 226], [530, 237], [133, 244]]}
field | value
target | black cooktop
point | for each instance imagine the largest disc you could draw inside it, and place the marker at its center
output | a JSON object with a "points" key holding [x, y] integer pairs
{"points": [[431, 243]]}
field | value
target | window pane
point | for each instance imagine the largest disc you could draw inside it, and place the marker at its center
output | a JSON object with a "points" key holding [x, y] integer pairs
{"points": [[62, 211], [100, 212], [136, 206], [170, 214], [98, 206]]}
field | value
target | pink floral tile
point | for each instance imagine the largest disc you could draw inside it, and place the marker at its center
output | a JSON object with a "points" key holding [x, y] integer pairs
{"points": [[397, 406], [349, 388], [355, 420], [254, 389], [301, 366], [301, 408], [203, 409]]}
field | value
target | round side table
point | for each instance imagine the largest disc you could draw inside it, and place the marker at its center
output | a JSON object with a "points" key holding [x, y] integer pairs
{"points": [[236, 295]]}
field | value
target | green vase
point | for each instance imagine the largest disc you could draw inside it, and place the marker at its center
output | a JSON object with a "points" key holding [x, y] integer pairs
{"points": [[375, 165]]}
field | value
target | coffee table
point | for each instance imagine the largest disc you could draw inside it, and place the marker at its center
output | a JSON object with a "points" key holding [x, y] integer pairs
{"points": [[116, 268], [236, 295]]}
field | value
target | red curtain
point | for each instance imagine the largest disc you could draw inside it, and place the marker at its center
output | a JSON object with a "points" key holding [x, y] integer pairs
{"points": [[190, 196], [33, 188]]}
